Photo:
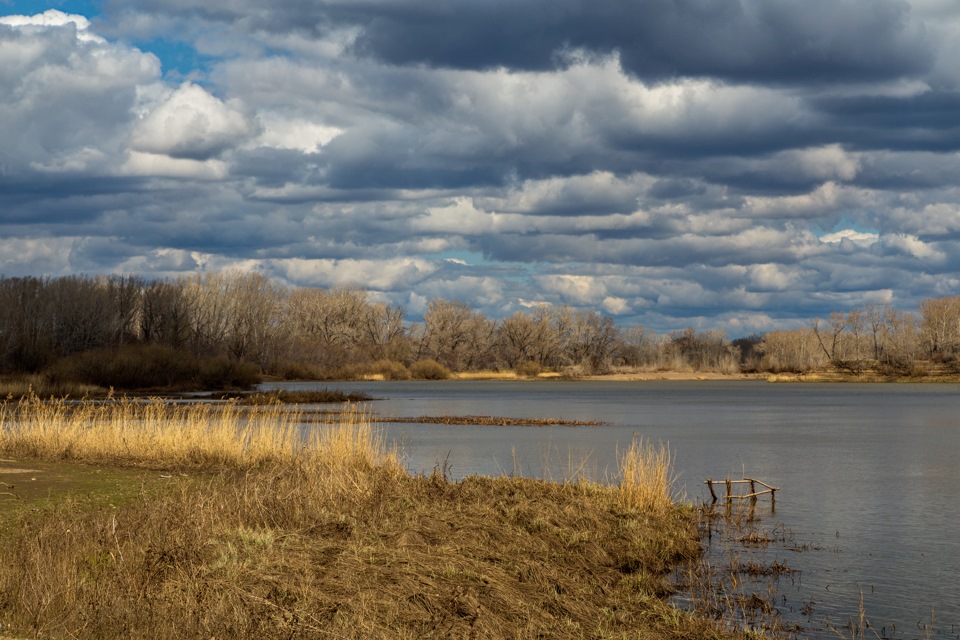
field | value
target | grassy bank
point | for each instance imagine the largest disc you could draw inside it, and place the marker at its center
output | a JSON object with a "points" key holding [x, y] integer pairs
{"points": [[286, 535]]}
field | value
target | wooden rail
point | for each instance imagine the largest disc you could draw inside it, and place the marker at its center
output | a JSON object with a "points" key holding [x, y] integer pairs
{"points": [[731, 496]]}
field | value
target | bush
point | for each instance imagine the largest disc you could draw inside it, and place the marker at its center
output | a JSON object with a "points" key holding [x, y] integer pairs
{"points": [[429, 370], [137, 367], [295, 370], [390, 370], [529, 369]]}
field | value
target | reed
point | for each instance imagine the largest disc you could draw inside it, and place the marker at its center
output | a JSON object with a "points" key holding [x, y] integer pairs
{"points": [[19, 387], [162, 434], [646, 477]]}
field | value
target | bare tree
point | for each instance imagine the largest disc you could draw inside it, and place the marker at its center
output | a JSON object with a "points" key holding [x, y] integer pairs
{"points": [[519, 339], [455, 335], [796, 350], [165, 317], [331, 322], [255, 303], [384, 332], [26, 316], [81, 314], [940, 326], [126, 297]]}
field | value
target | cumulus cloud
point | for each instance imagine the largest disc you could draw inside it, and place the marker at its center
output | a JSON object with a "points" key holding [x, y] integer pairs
{"points": [[192, 124], [67, 97]]}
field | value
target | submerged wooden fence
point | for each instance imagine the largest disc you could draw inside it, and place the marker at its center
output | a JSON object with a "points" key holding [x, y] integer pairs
{"points": [[752, 496]]}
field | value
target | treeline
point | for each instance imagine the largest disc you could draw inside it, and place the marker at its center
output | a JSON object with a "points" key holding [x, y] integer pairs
{"points": [[237, 326]]}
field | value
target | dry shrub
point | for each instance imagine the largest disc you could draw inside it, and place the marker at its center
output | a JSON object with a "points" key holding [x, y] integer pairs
{"points": [[429, 370], [153, 366], [292, 554], [529, 369], [390, 370], [161, 434], [295, 370]]}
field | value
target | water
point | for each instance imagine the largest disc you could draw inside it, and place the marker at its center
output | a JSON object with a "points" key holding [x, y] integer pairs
{"points": [[869, 474]]}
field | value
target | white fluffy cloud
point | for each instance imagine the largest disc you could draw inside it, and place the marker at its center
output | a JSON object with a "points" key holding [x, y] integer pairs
{"points": [[190, 123]]}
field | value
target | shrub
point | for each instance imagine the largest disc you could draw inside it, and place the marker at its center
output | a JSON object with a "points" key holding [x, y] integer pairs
{"points": [[529, 369], [390, 370], [295, 370], [429, 370], [153, 366]]}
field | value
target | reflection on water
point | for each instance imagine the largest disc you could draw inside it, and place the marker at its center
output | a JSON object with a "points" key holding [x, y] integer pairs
{"points": [[870, 474]]}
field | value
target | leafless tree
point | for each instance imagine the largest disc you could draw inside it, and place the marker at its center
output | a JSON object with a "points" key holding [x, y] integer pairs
{"points": [[940, 326], [383, 332]]}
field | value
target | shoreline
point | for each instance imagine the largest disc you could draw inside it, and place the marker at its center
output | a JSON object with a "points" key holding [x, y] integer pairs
{"points": [[709, 376]]}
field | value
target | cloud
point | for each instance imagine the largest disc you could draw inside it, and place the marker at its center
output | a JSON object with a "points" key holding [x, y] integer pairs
{"points": [[55, 18], [858, 238], [67, 96], [192, 124], [787, 41]]}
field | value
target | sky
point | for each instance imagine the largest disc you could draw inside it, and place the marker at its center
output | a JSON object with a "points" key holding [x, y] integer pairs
{"points": [[743, 165]]}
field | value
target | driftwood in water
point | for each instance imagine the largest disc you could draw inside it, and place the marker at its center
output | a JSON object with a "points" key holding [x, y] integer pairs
{"points": [[752, 495]]}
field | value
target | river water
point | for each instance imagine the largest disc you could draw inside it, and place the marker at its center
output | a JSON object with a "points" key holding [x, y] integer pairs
{"points": [[869, 473]]}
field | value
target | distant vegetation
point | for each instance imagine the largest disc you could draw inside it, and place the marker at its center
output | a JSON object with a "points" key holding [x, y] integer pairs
{"points": [[228, 330]]}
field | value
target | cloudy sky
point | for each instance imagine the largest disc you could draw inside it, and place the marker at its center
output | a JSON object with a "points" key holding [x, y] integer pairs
{"points": [[734, 164]]}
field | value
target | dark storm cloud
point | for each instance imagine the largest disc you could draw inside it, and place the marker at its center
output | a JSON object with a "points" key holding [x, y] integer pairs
{"points": [[782, 42], [925, 122]]}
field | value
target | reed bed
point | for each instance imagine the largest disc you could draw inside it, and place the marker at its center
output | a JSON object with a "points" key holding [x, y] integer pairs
{"points": [[163, 434], [25, 386]]}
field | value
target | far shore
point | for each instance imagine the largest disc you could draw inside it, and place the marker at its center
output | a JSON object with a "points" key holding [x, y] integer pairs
{"points": [[712, 376]]}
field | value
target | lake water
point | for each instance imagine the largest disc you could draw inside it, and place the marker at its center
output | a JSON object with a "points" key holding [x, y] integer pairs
{"points": [[869, 473]]}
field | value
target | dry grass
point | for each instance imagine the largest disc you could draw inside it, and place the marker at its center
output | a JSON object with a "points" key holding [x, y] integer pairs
{"points": [[325, 535], [647, 479], [163, 434], [321, 396], [25, 386]]}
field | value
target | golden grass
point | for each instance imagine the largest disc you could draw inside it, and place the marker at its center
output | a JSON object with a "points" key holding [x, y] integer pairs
{"points": [[25, 386], [321, 533], [159, 433], [646, 477]]}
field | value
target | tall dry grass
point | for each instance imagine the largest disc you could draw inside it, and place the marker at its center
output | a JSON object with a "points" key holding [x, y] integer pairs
{"points": [[160, 433], [646, 477], [24, 386]]}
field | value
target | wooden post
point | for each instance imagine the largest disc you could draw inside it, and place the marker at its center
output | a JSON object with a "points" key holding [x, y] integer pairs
{"points": [[753, 494], [729, 491], [710, 486]]}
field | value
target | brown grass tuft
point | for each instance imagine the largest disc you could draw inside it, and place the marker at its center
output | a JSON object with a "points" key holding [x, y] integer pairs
{"points": [[646, 473]]}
